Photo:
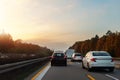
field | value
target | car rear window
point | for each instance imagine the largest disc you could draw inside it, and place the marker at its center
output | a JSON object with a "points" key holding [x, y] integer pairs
{"points": [[101, 54], [58, 54], [77, 54]]}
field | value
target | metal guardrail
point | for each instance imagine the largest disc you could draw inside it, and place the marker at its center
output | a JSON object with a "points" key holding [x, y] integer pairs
{"points": [[12, 66], [116, 58], [117, 64]]}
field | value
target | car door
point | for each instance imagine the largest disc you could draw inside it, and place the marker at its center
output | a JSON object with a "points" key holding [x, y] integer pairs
{"points": [[85, 60]]}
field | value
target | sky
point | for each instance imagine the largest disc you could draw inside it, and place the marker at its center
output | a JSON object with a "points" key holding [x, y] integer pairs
{"points": [[58, 24]]}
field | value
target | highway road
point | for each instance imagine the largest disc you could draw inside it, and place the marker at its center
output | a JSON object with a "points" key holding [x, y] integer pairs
{"points": [[74, 71]]}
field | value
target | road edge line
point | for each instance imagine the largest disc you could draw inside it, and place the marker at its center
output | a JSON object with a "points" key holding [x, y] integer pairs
{"points": [[41, 70], [90, 77], [111, 77]]}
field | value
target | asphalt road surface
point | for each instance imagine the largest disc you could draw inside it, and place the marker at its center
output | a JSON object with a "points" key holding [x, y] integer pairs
{"points": [[74, 71]]}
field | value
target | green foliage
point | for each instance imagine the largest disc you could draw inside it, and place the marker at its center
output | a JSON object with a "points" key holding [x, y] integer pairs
{"points": [[109, 42]]}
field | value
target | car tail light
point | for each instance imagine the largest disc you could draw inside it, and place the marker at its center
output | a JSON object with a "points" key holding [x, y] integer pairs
{"points": [[52, 57], [93, 59], [65, 57], [112, 60], [74, 56]]}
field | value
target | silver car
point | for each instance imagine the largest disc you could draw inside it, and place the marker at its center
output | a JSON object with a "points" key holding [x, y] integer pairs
{"points": [[76, 57], [98, 59]]}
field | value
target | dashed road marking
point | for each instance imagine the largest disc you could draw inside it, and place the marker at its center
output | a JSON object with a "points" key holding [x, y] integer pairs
{"points": [[111, 77], [90, 77], [41, 73]]}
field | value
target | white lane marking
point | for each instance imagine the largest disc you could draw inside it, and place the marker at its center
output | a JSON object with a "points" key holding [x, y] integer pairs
{"points": [[43, 73], [111, 77]]}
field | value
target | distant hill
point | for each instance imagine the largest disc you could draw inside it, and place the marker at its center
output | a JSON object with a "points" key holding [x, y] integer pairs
{"points": [[109, 42]]}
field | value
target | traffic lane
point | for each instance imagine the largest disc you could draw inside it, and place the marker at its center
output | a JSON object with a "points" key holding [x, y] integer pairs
{"points": [[105, 74], [101, 74], [115, 74], [75, 71], [71, 72]]}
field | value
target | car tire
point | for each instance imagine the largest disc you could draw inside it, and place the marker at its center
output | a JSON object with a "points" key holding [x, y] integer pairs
{"points": [[65, 64], [88, 68], [52, 64], [83, 66]]}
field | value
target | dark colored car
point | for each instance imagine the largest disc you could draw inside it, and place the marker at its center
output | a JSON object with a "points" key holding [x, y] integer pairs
{"points": [[58, 59]]}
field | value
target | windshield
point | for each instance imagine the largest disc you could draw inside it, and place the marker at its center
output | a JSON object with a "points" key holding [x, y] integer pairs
{"points": [[101, 54], [58, 54], [77, 54]]}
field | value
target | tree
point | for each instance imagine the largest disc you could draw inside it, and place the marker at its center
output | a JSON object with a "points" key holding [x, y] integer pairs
{"points": [[108, 33], [109, 42], [6, 42]]}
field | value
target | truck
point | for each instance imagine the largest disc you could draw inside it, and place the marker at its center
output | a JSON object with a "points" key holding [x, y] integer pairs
{"points": [[69, 53]]}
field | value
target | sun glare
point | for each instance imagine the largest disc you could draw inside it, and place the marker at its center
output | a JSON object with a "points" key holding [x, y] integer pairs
{"points": [[2, 15]]}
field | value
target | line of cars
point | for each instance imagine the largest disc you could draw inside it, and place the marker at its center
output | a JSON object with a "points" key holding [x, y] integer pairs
{"points": [[91, 61], [60, 58]]}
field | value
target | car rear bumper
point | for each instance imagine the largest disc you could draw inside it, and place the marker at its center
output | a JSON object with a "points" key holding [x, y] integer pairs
{"points": [[103, 67], [76, 59], [107, 65], [58, 61]]}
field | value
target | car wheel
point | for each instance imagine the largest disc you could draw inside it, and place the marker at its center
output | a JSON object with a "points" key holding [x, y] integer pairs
{"points": [[88, 68], [65, 64], [52, 64], [83, 66]]}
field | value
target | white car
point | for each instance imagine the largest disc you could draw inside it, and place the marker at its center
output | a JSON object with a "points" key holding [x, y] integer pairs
{"points": [[98, 59], [76, 57]]}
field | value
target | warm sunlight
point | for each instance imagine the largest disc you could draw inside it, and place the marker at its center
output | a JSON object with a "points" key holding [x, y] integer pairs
{"points": [[38, 37], [16, 20], [2, 13], [57, 22]]}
